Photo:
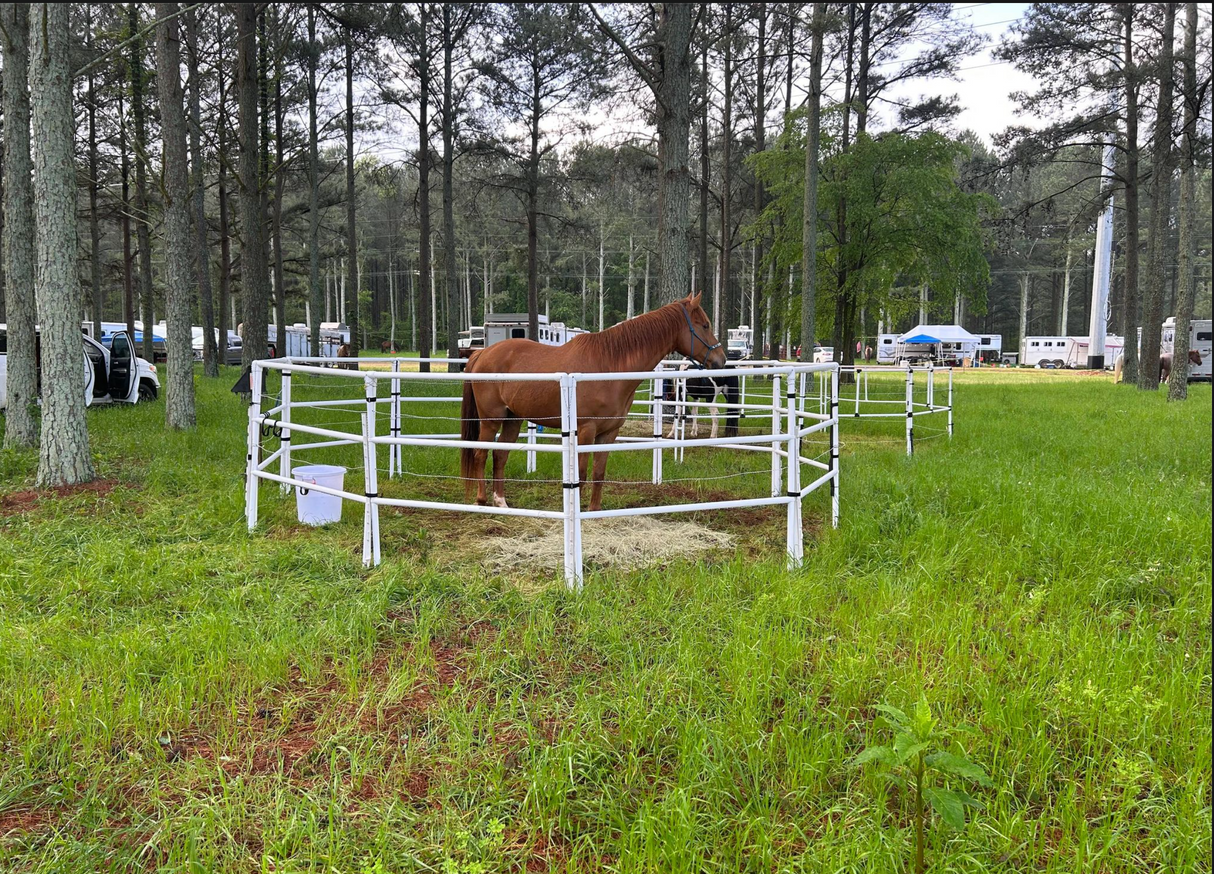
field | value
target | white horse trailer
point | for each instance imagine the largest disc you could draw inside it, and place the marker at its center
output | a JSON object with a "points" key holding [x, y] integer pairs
{"points": [[1060, 352], [1200, 339]]}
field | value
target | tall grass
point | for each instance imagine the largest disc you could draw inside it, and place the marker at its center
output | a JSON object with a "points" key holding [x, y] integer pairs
{"points": [[178, 695]]}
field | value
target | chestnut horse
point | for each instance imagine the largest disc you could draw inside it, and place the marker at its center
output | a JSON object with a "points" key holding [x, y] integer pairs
{"points": [[602, 407], [1165, 364]]}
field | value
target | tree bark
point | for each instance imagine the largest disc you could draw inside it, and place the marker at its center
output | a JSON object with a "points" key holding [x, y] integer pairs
{"points": [[128, 281], [63, 458], [533, 184], [674, 133], [21, 415], [210, 349], [1129, 300], [449, 256], [809, 230], [425, 275], [179, 285], [1157, 242], [280, 288], [732, 309], [225, 230], [1178, 385], [143, 231], [351, 205], [252, 242], [760, 118], [315, 292], [98, 291], [705, 164]]}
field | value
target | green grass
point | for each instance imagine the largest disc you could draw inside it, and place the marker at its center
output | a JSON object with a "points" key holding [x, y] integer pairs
{"points": [[179, 695]]}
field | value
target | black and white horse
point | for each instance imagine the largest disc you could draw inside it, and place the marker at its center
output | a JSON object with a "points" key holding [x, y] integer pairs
{"points": [[704, 390]]}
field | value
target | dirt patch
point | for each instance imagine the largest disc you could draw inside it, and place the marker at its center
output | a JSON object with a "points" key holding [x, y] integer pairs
{"points": [[18, 503], [628, 543], [25, 819]]}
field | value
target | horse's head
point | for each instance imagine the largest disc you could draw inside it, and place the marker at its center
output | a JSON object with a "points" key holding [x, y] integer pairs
{"points": [[695, 338], [1194, 356]]}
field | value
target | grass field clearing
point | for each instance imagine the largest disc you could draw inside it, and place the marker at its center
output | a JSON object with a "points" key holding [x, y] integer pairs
{"points": [[179, 695]]}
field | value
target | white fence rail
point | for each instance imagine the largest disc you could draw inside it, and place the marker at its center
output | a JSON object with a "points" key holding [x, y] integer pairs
{"points": [[785, 417]]}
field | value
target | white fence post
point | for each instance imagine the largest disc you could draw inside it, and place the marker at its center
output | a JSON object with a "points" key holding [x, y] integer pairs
{"points": [[910, 411], [367, 549], [950, 402], [795, 538], [776, 437], [284, 418], [395, 461], [834, 448], [570, 483], [531, 452], [659, 396], [931, 386], [253, 458]]}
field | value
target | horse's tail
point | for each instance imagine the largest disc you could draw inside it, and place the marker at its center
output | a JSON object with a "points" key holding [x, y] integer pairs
{"points": [[469, 430], [732, 397]]}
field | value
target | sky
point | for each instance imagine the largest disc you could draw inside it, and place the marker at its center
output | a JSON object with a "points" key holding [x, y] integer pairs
{"points": [[984, 84]]}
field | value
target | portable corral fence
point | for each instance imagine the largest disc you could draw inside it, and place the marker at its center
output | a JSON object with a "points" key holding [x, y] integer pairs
{"points": [[873, 393], [911, 390], [790, 421]]}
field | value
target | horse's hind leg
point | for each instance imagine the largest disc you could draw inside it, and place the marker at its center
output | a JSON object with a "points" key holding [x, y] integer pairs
{"points": [[510, 429], [600, 470], [480, 457]]}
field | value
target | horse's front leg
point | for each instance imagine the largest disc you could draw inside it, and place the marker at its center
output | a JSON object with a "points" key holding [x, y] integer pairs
{"points": [[600, 469], [715, 413], [488, 432], [509, 434]]}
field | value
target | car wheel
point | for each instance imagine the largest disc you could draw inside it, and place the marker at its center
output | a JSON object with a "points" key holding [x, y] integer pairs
{"points": [[147, 391]]}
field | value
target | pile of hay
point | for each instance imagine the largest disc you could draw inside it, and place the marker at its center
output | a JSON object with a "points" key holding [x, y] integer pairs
{"points": [[623, 544]]}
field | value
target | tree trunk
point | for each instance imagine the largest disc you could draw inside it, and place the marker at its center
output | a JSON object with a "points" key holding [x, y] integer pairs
{"points": [[645, 297], [143, 231], [21, 415], [533, 173], [425, 275], [1178, 385], [602, 271], [631, 279], [1129, 300], [1066, 292], [809, 230], [315, 291], [733, 310], [128, 281], [1157, 242], [673, 101], [351, 206], [705, 165], [94, 228], [760, 112], [179, 285], [210, 352], [280, 288], [225, 230], [252, 244], [63, 458], [449, 252]]}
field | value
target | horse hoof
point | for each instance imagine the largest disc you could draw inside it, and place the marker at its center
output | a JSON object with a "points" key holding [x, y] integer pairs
{"points": [[482, 502], [499, 501]]}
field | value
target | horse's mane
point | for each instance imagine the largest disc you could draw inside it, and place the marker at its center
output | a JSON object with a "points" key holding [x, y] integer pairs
{"points": [[644, 332]]}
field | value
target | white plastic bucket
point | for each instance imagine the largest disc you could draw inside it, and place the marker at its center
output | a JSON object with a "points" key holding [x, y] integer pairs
{"points": [[313, 507]]}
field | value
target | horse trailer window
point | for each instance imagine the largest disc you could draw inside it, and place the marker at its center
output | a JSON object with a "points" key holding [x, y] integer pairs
{"points": [[986, 341], [1034, 343], [518, 333], [1204, 335], [888, 342]]}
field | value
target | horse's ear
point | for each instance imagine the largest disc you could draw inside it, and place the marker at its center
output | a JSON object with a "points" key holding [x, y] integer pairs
{"points": [[694, 299]]}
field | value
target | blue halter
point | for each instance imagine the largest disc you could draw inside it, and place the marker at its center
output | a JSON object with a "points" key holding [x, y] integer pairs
{"points": [[700, 365]]}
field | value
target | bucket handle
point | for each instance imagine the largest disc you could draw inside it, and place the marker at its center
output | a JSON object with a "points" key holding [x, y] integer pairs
{"points": [[304, 491]]}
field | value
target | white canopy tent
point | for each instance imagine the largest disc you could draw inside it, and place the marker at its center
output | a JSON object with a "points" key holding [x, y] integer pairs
{"points": [[943, 343]]}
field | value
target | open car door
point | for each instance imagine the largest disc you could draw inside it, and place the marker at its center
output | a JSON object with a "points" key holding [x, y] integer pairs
{"points": [[90, 378], [124, 370]]}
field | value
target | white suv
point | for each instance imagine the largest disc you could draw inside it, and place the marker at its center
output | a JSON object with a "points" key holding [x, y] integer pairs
{"points": [[114, 375]]}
